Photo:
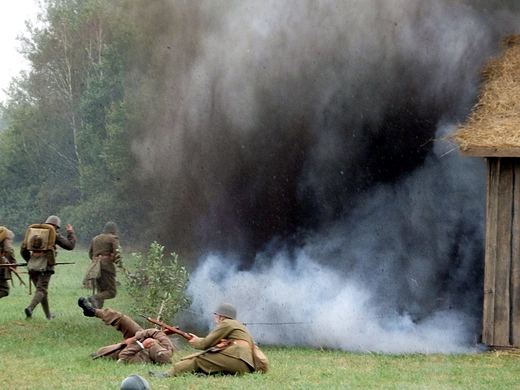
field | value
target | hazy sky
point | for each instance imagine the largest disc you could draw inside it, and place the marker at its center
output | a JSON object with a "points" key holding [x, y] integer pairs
{"points": [[12, 17]]}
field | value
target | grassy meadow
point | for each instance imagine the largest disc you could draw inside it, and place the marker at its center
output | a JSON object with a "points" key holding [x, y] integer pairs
{"points": [[41, 354]]}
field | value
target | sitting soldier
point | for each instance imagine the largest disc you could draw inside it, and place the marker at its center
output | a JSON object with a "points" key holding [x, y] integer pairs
{"points": [[140, 345], [237, 358]]}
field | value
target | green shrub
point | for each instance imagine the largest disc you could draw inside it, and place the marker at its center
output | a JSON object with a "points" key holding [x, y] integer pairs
{"points": [[157, 287]]}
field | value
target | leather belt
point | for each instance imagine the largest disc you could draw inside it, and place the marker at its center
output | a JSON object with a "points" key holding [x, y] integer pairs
{"points": [[99, 257], [38, 253], [242, 342]]}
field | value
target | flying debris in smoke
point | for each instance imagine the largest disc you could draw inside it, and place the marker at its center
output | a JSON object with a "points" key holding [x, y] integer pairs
{"points": [[293, 144]]}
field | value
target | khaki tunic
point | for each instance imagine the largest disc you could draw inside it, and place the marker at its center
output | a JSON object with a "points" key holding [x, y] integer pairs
{"points": [[104, 248], [235, 359], [7, 251]]}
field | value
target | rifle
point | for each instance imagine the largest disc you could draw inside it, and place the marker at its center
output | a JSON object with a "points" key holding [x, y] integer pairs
{"points": [[13, 270], [168, 329], [6, 264], [223, 344], [110, 351], [118, 347], [25, 264]]}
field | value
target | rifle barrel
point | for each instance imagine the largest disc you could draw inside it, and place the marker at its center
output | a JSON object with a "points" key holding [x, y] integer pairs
{"points": [[25, 264], [172, 329]]}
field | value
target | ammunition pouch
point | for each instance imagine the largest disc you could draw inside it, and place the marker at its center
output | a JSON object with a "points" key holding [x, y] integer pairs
{"points": [[37, 263]]}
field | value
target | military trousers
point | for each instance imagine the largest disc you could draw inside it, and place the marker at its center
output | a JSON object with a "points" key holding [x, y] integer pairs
{"points": [[210, 363], [4, 287], [106, 283]]}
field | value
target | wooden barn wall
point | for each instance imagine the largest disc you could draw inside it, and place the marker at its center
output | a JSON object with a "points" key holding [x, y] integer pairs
{"points": [[501, 316]]}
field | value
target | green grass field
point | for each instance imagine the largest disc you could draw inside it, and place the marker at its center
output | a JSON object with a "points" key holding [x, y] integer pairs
{"points": [[41, 354]]}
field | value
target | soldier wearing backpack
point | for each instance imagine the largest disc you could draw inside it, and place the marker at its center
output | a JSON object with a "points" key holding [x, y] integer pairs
{"points": [[39, 250], [7, 252]]}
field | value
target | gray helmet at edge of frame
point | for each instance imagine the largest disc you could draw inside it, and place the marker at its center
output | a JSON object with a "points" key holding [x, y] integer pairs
{"points": [[134, 382]]}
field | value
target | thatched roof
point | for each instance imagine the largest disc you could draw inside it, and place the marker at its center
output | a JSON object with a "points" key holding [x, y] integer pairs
{"points": [[493, 128]]}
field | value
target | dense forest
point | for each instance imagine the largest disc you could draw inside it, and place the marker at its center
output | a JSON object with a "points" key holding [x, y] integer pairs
{"points": [[67, 123]]}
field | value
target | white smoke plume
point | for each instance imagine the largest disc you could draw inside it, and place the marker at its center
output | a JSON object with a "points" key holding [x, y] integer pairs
{"points": [[384, 291]]}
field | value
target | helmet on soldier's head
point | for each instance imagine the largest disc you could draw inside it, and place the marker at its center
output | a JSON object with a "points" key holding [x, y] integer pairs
{"points": [[110, 227], [134, 382], [53, 220], [226, 310]]}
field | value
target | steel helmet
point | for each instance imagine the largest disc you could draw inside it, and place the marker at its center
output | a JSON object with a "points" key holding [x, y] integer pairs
{"points": [[226, 310], [53, 220], [134, 382], [110, 227]]}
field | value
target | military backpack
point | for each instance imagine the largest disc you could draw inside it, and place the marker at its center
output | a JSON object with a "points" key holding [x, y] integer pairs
{"points": [[40, 237]]}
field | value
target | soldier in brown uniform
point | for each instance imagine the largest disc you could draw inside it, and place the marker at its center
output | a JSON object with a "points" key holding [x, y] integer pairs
{"points": [[105, 253], [235, 359], [42, 278], [7, 252], [140, 345]]}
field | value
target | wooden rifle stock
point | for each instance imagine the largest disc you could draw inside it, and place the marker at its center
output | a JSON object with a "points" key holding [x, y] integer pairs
{"points": [[167, 328], [13, 270], [110, 351], [223, 344]]}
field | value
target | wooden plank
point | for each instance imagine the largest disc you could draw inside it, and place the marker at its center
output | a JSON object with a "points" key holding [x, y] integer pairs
{"points": [[484, 151], [515, 259], [490, 254], [502, 324]]}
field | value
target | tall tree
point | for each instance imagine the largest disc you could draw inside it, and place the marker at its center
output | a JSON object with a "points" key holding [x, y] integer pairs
{"points": [[67, 118]]}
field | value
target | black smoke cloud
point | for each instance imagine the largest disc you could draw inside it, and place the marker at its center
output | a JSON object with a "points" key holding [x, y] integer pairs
{"points": [[290, 146]]}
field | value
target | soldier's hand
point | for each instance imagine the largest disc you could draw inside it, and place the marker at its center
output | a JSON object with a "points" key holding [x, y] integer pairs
{"points": [[193, 339], [147, 343]]}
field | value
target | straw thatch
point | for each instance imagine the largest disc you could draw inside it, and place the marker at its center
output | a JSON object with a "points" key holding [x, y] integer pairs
{"points": [[493, 128]]}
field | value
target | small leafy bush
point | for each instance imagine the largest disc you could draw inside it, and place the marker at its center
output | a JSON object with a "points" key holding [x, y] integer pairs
{"points": [[158, 285]]}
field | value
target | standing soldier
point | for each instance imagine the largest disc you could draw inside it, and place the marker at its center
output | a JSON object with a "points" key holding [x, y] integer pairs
{"points": [[104, 251], [39, 250], [7, 252]]}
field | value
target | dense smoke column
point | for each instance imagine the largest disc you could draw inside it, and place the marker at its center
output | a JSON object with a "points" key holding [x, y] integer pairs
{"points": [[302, 136], [272, 119]]}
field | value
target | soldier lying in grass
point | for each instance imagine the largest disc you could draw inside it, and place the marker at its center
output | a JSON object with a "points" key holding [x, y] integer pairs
{"points": [[139, 345]]}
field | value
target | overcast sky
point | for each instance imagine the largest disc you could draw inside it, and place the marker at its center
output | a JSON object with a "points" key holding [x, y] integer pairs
{"points": [[13, 14]]}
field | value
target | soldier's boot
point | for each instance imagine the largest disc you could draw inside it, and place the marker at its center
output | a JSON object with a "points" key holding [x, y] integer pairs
{"points": [[88, 311], [28, 312], [45, 307]]}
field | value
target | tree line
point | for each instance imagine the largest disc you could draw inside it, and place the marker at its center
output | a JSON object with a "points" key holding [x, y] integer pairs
{"points": [[68, 123]]}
